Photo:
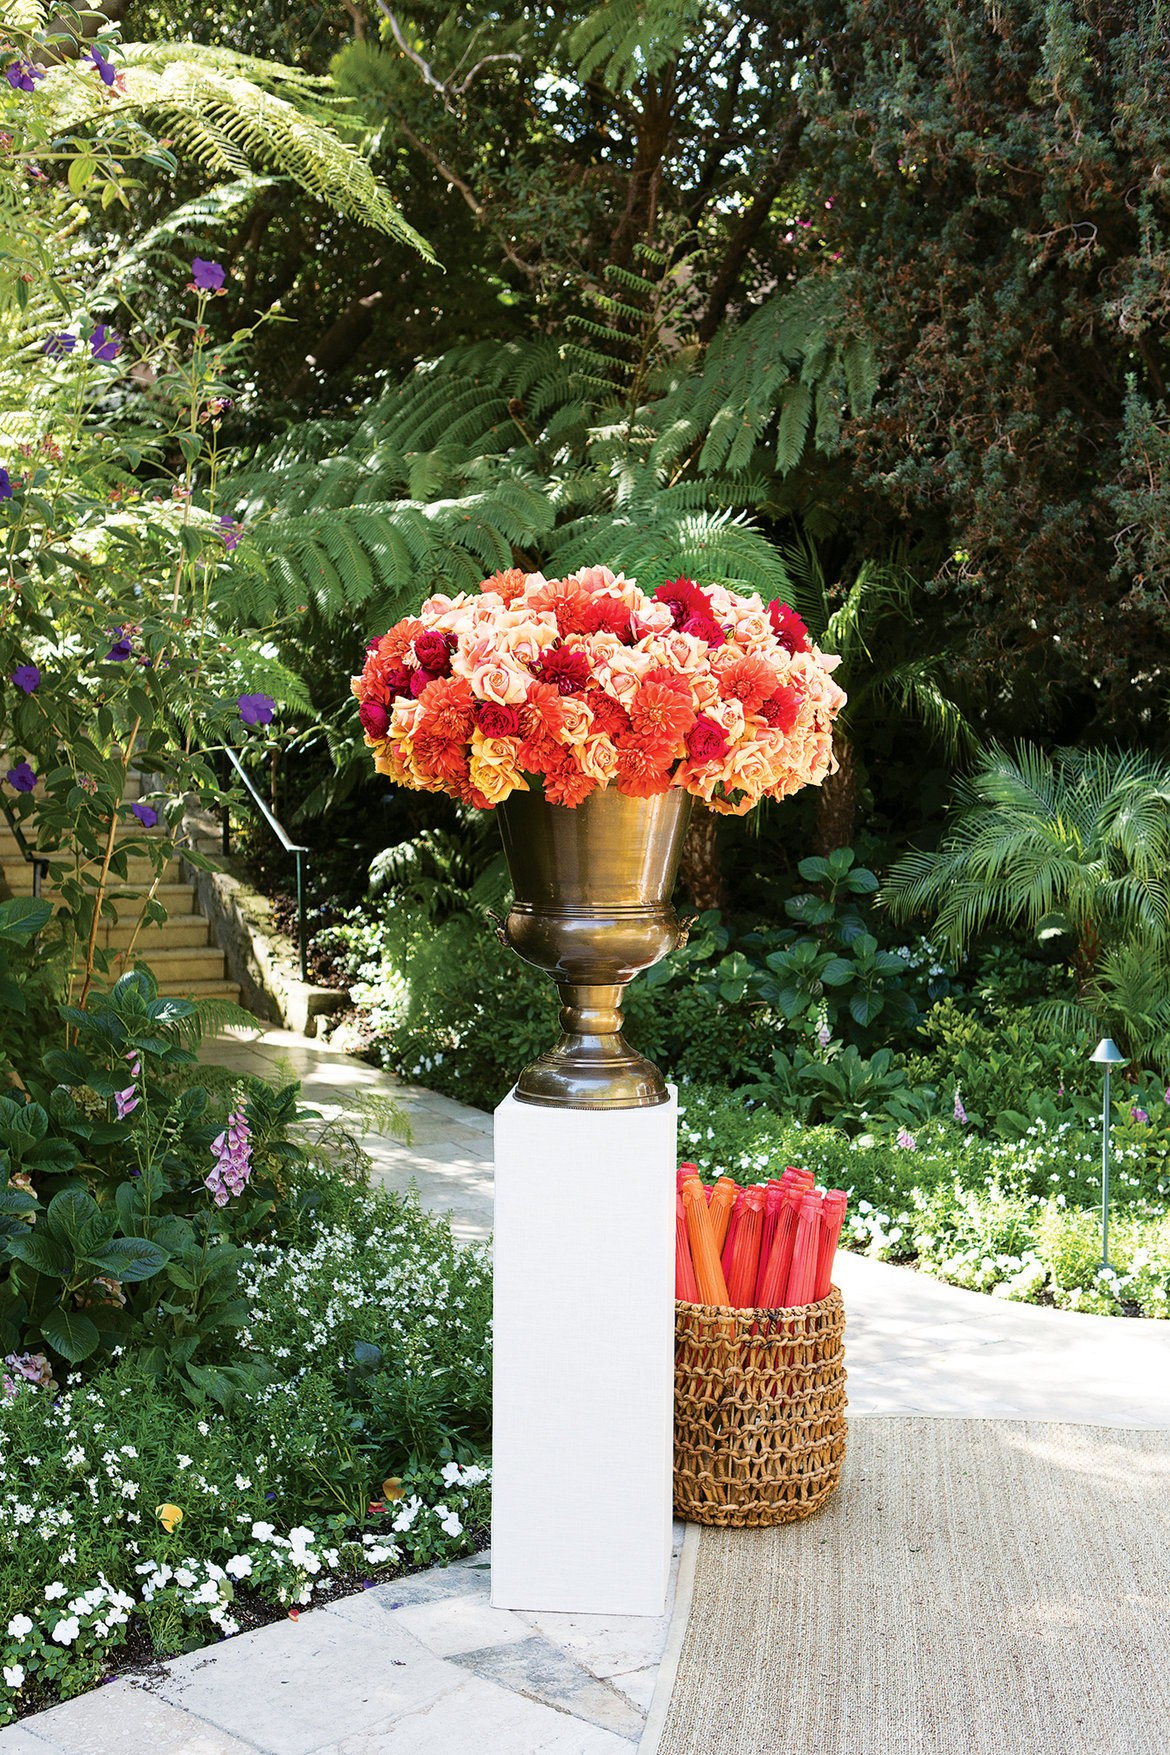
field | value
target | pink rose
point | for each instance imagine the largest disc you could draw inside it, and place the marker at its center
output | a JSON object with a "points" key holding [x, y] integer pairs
{"points": [[433, 653], [706, 741], [496, 721], [374, 718]]}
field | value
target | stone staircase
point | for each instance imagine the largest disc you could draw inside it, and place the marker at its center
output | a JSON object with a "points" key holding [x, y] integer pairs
{"points": [[180, 951]]}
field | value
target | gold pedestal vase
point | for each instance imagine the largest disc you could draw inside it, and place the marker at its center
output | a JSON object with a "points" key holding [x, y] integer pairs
{"points": [[592, 909]]}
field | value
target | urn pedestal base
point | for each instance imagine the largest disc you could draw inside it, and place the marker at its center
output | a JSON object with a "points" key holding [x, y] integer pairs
{"points": [[583, 1376]]}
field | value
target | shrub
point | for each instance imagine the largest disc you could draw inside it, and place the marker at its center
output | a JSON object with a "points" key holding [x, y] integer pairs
{"points": [[1016, 1217], [130, 1505]]}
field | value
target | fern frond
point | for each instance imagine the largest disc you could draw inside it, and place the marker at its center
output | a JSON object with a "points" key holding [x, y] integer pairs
{"points": [[226, 112]]}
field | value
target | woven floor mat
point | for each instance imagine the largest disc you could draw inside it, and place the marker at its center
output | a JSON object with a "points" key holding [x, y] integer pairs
{"points": [[975, 1587]]}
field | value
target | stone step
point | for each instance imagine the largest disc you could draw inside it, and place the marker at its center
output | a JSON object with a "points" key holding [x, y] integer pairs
{"points": [[10, 846], [175, 989], [176, 930], [139, 875], [182, 963]]}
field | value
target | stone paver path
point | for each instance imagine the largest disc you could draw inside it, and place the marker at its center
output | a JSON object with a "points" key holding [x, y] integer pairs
{"points": [[425, 1666]]}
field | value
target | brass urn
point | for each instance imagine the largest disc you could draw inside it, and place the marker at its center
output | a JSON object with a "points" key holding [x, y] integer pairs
{"points": [[592, 908]]}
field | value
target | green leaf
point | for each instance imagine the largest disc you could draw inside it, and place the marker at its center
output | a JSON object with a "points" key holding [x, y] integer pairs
{"points": [[70, 1332], [22, 917], [837, 971], [129, 1259], [43, 1254], [865, 1007]]}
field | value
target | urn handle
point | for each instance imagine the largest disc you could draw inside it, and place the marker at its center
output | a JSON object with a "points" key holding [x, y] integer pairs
{"points": [[684, 930], [501, 926]]}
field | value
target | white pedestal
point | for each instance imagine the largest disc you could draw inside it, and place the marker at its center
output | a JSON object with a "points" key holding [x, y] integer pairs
{"points": [[583, 1388]]}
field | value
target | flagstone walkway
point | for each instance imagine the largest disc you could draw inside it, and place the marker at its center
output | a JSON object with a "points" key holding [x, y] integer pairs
{"points": [[425, 1666]]}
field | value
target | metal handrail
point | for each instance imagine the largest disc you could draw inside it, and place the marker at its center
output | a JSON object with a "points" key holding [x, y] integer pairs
{"points": [[299, 853], [38, 861]]}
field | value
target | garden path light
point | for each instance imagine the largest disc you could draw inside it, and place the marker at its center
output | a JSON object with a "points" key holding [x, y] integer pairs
{"points": [[1107, 1055]]}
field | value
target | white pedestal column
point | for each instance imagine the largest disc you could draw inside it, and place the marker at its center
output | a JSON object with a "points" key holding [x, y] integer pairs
{"points": [[583, 1389]]}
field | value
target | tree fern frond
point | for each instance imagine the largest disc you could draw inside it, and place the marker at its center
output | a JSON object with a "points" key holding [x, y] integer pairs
{"points": [[227, 111]]}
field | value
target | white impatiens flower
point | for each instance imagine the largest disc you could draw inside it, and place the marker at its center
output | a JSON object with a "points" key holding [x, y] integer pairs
{"points": [[67, 1630], [14, 1675], [56, 1589], [263, 1532], [19, 1626], [184, 1576], [239, 1566], [452, 1524]]}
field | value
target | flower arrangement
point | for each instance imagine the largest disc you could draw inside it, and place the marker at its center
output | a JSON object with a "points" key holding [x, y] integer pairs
{"points": [[585, 682]]}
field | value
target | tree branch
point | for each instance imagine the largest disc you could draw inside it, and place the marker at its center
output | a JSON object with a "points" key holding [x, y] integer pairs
{"points": [[455, 181], [445, 91], [746, 232]]}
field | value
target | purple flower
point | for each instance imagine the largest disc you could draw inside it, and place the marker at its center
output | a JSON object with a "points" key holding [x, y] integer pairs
{"points": [[27, 677], [230, 531], [233, 1160], [105, 68], [906, 1140], [119, 652], [5, 485], [206, 277], [21, 778], [146, 816], [125, 1101], [256, 709], [105, 344], [59, 345], [1139, 1115], [22, 75], [960, 1112]]}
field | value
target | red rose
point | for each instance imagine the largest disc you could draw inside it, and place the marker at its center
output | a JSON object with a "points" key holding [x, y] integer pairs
{"points": [[398, 681], [788, 628], [419, 680], [707, 740], [783, 708], [567, 671], [704, 627], [433, 653], [496, 721], [374, 718]]}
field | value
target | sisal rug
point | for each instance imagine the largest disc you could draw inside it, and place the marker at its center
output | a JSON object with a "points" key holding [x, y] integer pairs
{"points": [[975, 1587]]}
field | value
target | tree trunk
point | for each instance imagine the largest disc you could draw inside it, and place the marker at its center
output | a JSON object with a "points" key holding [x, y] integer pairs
{"points": [[699, 868], [836, 814], [744, 236]]}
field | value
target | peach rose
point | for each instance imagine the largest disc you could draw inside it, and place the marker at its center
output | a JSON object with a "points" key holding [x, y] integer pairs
{"points": [[593, 579], [598, 758], [493, 767], [527, 638], [675, 650], [578, 719], [651, 618]]}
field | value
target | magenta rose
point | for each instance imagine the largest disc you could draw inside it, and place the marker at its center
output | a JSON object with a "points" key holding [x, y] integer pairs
{"points": [[374, 718], [496, 721], [398, 680], [433, 653], [419, 680], [704, 627], [707, 741]]}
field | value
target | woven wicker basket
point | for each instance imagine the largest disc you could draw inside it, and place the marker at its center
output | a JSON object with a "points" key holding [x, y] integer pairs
{"points": [[759, 1418]]}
